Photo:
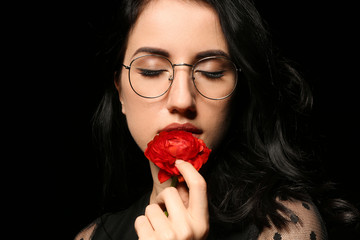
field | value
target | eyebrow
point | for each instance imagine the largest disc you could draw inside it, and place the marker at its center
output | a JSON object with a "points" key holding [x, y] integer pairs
{"points": [[211, 53], [151, 50], [200, 55]]}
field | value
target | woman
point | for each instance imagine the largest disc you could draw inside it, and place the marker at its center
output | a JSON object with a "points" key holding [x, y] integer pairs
{"points": [[259, 182]]}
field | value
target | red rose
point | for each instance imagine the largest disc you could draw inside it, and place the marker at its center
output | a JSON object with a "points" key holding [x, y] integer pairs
{"points": [[166, 147]]}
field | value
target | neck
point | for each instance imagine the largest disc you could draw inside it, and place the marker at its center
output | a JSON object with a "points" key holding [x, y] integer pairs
{"points": [[157, 186]]}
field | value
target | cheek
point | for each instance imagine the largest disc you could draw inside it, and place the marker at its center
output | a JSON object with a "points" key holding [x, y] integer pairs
{"points": [[221, 129], [141, 117], [140, 126], [217, 122]]}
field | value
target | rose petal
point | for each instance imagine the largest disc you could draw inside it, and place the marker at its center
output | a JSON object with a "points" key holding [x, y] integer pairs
{"points": [[166, 147], [163, 176]]}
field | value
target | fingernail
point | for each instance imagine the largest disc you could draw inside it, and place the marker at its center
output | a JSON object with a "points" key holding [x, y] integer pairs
{"points": [[178, 161]]}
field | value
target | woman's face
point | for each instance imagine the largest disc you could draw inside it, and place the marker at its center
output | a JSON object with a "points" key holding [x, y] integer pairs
{"points": [[180, 30]]}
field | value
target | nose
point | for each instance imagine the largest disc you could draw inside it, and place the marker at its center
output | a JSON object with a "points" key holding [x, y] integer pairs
{"points": [[181, 95]]}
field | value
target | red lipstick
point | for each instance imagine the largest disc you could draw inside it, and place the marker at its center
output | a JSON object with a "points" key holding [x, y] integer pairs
{"points": [[187, 127]]}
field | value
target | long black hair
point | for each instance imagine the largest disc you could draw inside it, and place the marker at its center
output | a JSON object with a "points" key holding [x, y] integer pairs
{"points": [[269, 152]]}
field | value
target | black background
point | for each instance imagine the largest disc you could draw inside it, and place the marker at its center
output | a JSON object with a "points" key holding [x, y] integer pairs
{"points": [[52, 90]]}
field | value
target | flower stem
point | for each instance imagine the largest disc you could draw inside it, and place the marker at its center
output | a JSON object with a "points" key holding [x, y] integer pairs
{"points": [[174, 181]]}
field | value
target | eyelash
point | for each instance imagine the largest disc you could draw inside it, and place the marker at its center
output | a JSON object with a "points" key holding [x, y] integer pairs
{"points": [[150, 73], [218, 74]]}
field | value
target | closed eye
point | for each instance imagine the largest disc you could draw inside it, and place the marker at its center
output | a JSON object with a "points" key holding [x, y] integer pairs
{"points": [[150, 73], [213, 75]]}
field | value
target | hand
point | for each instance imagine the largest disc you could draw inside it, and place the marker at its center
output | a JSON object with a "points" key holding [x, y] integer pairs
{"points": [[187, 208]]}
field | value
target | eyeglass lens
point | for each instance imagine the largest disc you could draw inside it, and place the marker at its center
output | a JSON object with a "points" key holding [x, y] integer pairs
{"points": [[151, 76]]}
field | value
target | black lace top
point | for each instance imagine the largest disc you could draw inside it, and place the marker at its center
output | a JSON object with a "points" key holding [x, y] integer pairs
{"points": [[304, 223], [120, 225]]}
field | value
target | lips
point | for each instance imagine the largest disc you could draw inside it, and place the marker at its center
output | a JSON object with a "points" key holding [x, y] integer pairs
{"points": [[187, 127]]}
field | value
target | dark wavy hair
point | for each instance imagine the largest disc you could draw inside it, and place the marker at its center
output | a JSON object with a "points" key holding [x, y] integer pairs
{"points": [[269, 152]]}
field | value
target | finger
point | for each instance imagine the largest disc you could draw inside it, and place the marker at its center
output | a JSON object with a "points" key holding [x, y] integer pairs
{"points": [[143, 227], [174, 205], [157, 217], [198, 204], [179, 216], [184, 193]]}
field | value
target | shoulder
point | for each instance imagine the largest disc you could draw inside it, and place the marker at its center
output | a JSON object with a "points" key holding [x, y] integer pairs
{"points": [[103, 225], [107, 226], [86, 233], [115, 225], [304, 222]]}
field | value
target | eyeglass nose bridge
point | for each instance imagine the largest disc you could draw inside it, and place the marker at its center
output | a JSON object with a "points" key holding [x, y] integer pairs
{"points": [[177, 65]]}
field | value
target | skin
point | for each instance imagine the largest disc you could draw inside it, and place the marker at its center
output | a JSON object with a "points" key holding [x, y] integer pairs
{"points": [[193, 29]]}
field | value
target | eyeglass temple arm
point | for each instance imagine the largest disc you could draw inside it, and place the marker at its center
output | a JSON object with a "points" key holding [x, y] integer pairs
{"points": [[126, 67]]}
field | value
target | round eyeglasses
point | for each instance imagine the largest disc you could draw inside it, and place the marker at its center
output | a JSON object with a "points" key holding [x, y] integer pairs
{"points": [[151, 76]]}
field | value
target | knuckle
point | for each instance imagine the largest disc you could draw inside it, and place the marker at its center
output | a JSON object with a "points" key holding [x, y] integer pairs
{"points": [[185, 233], [200, 184], [170, 190], [202, 230], [139, 220], [150, 209], [168, 235], [165, 193]]}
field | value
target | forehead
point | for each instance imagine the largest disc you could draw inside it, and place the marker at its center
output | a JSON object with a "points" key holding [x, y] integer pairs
{"points": [[178, 26]]}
